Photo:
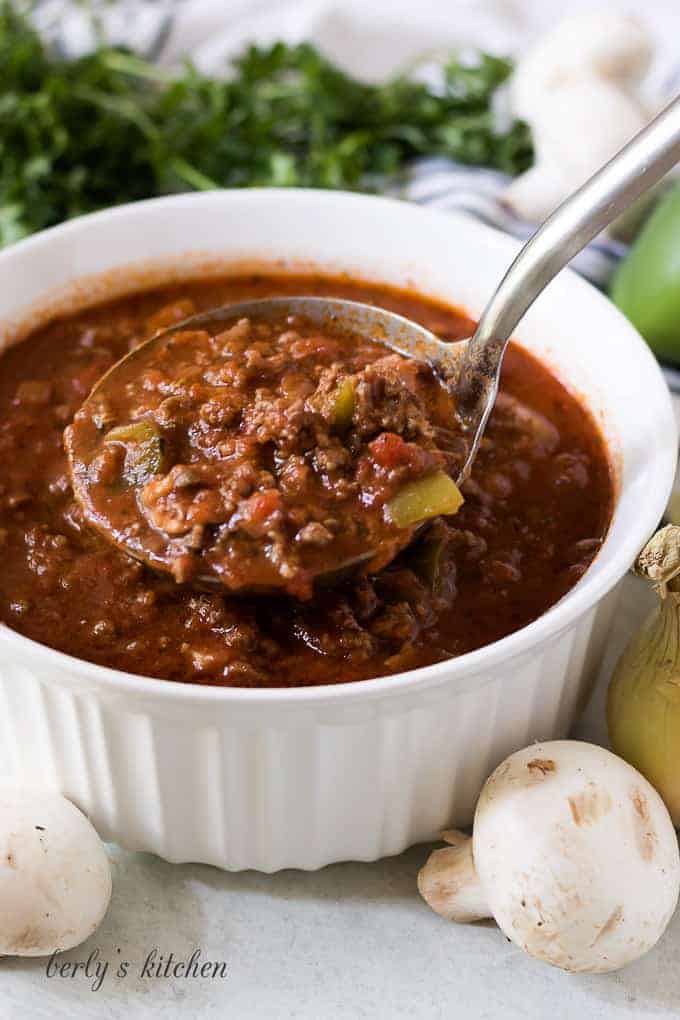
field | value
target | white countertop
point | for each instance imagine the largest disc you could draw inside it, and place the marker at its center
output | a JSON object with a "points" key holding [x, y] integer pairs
{"points": [[350, 941]]}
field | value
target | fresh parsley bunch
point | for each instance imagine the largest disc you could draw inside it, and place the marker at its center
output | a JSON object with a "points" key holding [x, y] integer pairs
{"points": [[77, 135]]}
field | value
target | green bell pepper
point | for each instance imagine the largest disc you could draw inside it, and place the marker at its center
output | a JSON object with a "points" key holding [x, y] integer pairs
{"points": [[646, 286]]}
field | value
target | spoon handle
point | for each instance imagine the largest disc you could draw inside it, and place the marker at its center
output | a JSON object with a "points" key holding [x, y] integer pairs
{"points": [[631, 172]]}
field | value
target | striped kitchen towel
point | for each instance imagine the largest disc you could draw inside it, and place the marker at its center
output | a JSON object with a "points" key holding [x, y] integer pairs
{"points": [[443, 184]]}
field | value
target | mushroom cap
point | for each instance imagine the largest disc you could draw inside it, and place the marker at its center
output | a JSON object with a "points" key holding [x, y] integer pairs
{"points": [[577, 856], [613, 45], [55, 876]]}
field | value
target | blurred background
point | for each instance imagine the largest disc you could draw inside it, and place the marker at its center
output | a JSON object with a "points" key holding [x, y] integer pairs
{"points": [[496, 107]]}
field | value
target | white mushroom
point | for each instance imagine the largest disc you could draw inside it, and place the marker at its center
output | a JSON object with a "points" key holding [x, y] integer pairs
{"points": [[616, 47], [55, 876], [573, 853], [578, 89]]}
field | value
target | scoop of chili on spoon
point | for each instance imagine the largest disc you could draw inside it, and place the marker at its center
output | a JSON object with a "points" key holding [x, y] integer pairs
{"points": [[264, 445], [275, 443]]}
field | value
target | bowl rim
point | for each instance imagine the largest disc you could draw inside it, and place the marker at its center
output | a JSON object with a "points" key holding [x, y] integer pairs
{"points": [[594, 585]]}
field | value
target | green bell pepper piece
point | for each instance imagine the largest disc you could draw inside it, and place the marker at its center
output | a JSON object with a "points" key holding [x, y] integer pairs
{"points": [[433, 496], [343, 405]]}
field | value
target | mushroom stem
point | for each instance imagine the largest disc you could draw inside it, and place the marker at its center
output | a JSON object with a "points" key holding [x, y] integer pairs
{"points": [[449, 883]]}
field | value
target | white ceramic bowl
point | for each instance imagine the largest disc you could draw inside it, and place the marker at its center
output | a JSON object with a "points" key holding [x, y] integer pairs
{"points": [[269, 779]]}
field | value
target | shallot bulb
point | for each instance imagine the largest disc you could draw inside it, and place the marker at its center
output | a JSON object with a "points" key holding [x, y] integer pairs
{"points": [[643, 702]]}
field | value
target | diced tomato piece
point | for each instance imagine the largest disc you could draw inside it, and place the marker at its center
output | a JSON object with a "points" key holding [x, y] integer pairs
{"points": [[390, 450], [264, 504]]}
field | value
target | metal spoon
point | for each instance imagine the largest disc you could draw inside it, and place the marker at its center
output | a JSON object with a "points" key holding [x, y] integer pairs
{"points": [[471, 368]]}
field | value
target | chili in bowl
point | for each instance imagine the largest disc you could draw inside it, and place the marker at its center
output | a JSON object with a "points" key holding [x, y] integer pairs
{"points": [[296, 727]]}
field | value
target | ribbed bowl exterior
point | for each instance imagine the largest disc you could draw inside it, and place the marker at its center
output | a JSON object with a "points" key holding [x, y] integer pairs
{"points": [[300, 787]]}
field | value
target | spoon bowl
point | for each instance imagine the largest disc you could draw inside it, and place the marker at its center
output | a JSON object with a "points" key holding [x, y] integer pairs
{"points": [[90, 434]]}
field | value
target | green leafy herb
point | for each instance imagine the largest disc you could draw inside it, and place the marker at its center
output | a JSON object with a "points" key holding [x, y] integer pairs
{"points": [[109, 127]]}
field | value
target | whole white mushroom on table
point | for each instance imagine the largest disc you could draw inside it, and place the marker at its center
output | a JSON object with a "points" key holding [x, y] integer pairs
{"points": [[573, 853], [55, 876]]}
